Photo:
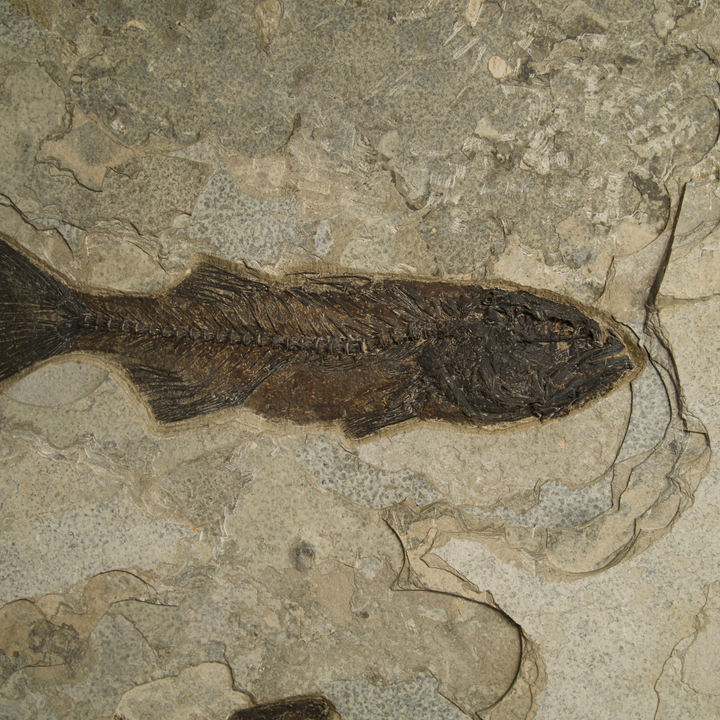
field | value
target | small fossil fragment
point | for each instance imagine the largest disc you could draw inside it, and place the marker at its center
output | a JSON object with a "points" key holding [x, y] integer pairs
{"points": [[364, 352], [301, 708], [499, 67], [268, 14]]}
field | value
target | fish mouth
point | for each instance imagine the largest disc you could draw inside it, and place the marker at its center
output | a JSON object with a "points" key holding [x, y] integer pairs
{"points": [[591, 374]]}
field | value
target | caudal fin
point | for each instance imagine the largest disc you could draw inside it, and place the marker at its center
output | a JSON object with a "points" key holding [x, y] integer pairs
{"points": [[39, 314]]}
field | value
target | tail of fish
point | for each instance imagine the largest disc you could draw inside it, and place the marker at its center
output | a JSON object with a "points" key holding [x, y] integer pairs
{"points": [[39, 315]]}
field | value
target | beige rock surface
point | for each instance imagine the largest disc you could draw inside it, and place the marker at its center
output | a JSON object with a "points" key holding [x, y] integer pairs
{"points": [[203, 692], [562, 570]]}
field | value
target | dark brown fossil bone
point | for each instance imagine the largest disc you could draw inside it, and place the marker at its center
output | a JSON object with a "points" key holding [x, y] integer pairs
{"points": [[301, 708], [368, 353]]}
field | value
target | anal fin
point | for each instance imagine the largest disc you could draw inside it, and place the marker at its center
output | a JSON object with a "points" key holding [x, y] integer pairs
{"points": [[188, 379]]}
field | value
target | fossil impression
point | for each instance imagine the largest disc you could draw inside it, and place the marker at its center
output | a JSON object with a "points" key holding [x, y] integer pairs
{"points": [[364, 352], [301, 708]]}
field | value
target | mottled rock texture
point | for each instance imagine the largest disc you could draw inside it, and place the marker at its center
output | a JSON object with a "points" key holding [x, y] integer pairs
{"points": [[558, 570]]}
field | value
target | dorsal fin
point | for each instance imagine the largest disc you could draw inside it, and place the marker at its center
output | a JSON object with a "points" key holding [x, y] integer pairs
{"points": [[209, 282]]}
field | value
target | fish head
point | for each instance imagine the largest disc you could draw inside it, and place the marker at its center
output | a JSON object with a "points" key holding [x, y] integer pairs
{"points": [[502, 366]]}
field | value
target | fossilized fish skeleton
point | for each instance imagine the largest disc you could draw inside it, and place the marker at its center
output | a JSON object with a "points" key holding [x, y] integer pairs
{"points": [[366, 353]]}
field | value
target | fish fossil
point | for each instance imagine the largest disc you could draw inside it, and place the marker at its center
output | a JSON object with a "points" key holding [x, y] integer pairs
{"points": [[363, 352]]}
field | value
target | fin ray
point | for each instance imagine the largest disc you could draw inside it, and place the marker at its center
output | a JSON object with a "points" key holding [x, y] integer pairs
{"points": [[39, 314]]}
